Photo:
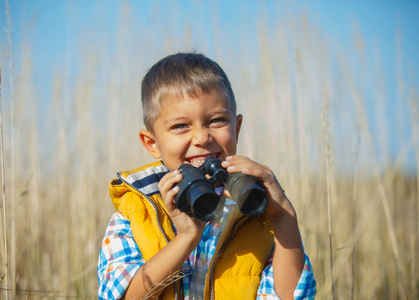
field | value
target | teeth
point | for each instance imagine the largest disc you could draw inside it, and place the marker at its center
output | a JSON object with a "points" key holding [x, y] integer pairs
{"points": [[198, 160], [197, 163]]}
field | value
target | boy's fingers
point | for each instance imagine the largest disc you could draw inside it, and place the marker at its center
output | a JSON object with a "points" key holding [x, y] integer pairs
{"points": [[167, 182], [243, 164], [170, 195], [238, 161], [169, 189], [234, 163], [247, 166]]}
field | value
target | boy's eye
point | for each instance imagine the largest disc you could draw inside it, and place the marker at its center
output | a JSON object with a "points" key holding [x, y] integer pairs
{"points": [[218, 121], [178, 126]]}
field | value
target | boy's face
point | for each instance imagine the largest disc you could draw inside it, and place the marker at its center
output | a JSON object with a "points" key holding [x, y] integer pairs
{"points": [[187, 131]]}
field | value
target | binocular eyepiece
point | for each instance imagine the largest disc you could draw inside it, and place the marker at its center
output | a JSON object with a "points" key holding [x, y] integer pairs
{"points": [[197, 195]]}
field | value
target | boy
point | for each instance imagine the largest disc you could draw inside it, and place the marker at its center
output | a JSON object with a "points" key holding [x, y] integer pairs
{"points": [[152, 249]]}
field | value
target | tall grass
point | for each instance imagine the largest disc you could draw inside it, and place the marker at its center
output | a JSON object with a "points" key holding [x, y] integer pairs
{"points": [[307, 114]]}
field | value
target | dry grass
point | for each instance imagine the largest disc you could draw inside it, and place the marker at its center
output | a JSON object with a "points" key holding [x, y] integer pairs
{"points": [[307, 109]]}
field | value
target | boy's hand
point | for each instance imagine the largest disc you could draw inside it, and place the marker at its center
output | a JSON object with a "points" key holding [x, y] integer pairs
{"points": [[186, 225], [278, 202]]}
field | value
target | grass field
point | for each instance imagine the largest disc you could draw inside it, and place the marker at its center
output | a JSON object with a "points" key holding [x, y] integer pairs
{"points": [[309, 113]]}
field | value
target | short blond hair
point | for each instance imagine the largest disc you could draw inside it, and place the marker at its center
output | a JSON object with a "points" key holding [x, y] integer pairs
{"points": [[182, 74]]}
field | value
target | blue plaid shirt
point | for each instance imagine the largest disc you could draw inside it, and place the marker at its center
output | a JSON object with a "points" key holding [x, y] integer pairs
{"points": [[120, 258]]}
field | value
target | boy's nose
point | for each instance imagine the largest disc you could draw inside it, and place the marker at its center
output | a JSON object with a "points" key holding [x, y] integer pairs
{"points": [[201, 138]]}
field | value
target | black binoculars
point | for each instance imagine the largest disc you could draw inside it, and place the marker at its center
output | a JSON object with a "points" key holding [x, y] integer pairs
{"points": [[197, 194]]}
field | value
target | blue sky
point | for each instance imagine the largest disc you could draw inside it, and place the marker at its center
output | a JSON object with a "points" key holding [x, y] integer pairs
{"points": [[378, 21], [47, 22], [54, 28]]}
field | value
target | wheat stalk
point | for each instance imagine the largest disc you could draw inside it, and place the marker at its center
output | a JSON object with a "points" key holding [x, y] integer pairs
{"points": [[3, 184], [329, 209], [12, 265]]}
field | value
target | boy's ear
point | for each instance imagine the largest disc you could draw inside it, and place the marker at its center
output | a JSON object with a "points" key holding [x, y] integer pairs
{"points": [[239, 120], [149, 142]]}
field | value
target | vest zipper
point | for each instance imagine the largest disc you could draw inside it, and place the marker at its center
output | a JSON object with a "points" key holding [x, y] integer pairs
{"points": [[233, 232], [156, 212]]}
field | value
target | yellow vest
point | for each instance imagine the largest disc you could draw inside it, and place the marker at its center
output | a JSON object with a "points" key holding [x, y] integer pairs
{"points": [[240, 256]]}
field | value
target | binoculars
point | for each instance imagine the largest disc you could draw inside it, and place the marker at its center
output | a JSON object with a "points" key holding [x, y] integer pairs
{"points": [[197, 193]]}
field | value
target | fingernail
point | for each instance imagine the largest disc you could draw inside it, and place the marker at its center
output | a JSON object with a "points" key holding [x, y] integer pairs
{"points": [[231, 168], [228, 157], [176, 188]]}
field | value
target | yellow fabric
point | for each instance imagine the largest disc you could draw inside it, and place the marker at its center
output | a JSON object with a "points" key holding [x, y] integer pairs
{"points": [[138, 210], [237, 267]]}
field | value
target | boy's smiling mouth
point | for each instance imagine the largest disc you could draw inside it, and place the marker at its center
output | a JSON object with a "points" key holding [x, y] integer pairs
{"points": [[198, 160]]}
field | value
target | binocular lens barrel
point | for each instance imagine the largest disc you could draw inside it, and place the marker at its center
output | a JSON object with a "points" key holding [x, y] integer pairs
{"points": [[196, 194], [203, 200], [248, 193]]}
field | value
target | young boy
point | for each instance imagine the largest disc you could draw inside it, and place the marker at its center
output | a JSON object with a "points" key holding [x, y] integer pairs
{"points": [[152, 249]]}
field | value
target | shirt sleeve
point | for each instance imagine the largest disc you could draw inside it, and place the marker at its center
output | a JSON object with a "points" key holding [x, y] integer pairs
{"points": [[119, 259], [306, 287]]}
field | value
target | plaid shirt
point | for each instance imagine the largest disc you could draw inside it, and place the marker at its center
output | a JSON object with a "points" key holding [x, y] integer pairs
{"points": [[120, 259]]}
